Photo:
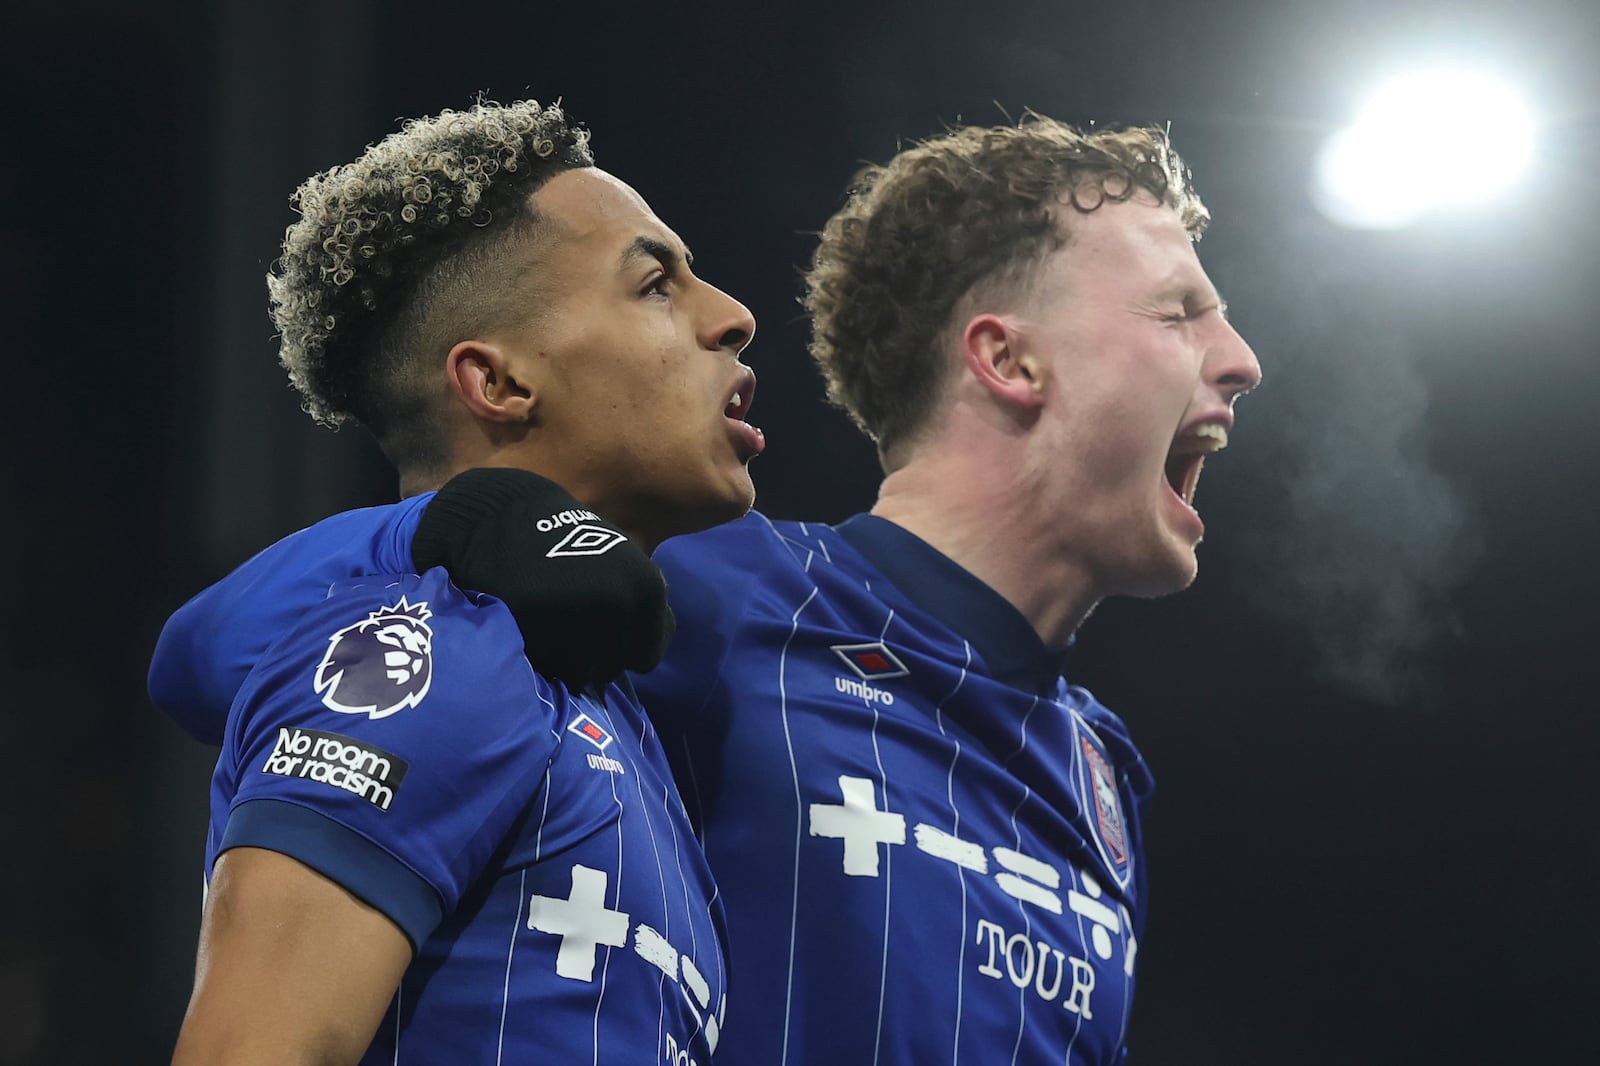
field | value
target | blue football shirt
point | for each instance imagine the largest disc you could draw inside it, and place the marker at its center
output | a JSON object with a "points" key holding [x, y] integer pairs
{"points": [[928, 843], [389, 733]]}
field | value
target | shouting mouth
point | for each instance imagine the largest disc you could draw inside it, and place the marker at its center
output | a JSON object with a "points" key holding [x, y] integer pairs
{"points": [[1188, 456]]}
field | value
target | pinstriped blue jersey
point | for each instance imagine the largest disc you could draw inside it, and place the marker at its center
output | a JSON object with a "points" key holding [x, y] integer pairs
{"points": [[928, 843], [390, 734]]}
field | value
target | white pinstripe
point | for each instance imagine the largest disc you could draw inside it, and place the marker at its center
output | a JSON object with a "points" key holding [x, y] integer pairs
{"points": [[544, 813], [694, 938], [661, 876], [1077, 875], [606, 968], [955, 830], [794, 907], [505, 995], [888, 870], [397, 993], [1027, 923]]}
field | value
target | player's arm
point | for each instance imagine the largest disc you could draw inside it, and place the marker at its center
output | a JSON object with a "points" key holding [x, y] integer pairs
{"points": [[293, 970]]}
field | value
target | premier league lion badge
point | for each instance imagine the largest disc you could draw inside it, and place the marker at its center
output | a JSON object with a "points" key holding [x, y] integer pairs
{"points": [[380, 665]]}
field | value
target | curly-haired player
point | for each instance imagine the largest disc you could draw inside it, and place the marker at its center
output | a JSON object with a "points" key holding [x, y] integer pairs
{"points": [[421, 850], [928, 841]]}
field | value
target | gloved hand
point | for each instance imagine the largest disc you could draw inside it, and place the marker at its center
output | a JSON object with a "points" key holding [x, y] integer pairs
{"points": [[590, 603]]}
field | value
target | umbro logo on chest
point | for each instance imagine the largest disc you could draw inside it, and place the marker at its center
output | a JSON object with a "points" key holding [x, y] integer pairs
{"points": [[582, 725]]}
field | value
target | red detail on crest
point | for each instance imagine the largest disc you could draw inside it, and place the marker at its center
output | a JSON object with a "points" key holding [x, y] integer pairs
{"points": [[592, 731], [871, 660], [1107, 805]]}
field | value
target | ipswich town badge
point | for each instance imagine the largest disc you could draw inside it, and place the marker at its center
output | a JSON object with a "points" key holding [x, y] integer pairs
{"points": [[381, 665], [1104, 805]]}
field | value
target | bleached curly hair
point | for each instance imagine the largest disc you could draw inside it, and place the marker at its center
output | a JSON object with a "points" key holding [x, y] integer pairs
{"points": [[403, 252]]}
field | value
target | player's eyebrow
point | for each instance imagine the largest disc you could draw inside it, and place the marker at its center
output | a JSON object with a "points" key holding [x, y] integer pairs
{"points": [[660, 251]]}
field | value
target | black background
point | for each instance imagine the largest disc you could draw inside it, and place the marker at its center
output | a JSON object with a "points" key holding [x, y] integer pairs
{"points": [[1371, 720]]}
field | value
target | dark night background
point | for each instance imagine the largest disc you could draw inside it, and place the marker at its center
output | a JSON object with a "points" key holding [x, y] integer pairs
{"points": [[1371, 721]]}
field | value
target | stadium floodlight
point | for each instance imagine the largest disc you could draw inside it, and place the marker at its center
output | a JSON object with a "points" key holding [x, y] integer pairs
{"points": [[1429, 140]]}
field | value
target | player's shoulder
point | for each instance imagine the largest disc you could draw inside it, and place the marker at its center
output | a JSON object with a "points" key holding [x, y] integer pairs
{"points": [[1097, 714], [381, 643], [1111, 730], [753, 539], [731, 560]]}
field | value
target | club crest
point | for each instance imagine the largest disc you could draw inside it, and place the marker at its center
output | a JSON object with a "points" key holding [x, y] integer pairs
{"points": [[1110, 829], [381, 665]]}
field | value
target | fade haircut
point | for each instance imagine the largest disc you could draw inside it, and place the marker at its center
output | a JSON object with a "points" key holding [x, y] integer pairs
{"points": [[404, 252], [971, 212]]}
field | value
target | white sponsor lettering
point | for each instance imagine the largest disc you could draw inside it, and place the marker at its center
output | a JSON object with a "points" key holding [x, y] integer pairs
{"points": [[1029, 961], [582, 921], [858, 822], [1028, 879], [863, 827], [1104, 918], [696, 983], [653, 948], [942, 845], [605, 762], [677, 1056], [863, 690]]}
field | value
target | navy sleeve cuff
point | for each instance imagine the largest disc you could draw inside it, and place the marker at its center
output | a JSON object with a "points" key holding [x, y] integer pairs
{"points": [[349, 858]]}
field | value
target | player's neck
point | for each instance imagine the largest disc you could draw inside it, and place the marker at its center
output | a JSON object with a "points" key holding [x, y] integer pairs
{"points": [[993, 524]]}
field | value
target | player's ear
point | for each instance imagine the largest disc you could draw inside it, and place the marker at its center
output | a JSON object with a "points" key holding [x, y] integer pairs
{"points": [[488, 382], [998, 359]]}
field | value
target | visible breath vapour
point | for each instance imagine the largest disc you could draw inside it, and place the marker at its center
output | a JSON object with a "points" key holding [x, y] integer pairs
{"points": [[1355, 535]]}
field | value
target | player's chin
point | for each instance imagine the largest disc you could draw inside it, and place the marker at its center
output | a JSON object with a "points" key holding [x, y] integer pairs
{"points": [[1171, 570], [739, 495], [723, 498]]}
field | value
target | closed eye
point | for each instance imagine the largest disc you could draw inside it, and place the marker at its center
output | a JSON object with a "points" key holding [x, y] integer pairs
{"points": [[1191, 312]]}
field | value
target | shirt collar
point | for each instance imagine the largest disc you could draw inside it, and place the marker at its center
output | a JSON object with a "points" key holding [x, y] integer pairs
{"points": [[938, 585]]}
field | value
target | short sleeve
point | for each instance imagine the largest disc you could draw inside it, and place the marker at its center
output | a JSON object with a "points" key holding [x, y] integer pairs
{"points": [[392, 740]]}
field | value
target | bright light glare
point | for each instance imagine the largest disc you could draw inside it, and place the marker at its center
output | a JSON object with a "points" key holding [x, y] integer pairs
{"points": [[1439, 138]]}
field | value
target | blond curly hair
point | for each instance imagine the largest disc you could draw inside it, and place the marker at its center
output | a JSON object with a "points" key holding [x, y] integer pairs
{"points": [[404, 250], [975, 208]]}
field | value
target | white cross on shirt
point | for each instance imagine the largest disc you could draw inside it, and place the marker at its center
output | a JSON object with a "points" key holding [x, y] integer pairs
{"points": [[858, 822], [582, 921]]}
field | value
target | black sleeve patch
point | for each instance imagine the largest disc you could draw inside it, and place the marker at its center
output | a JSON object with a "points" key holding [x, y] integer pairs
{"points": [[339, 761]]}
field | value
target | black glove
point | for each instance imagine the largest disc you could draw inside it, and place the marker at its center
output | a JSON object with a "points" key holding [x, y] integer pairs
{"points": [[590, 604]]}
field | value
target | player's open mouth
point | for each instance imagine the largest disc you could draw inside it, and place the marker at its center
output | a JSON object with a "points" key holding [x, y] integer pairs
{"points": [[1188, 456], [750, 439]]}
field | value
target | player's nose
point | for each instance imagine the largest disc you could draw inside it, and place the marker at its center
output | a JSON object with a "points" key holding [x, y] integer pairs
{"points": [[725, 323], [1232, 367]]}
